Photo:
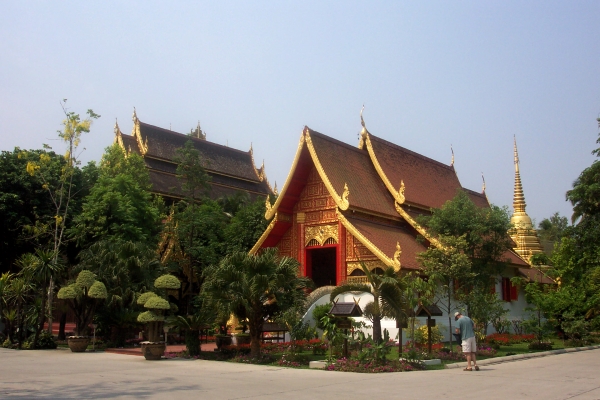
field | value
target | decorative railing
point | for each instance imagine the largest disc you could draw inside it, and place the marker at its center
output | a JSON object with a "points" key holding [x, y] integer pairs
{"points": [[357, 279]]}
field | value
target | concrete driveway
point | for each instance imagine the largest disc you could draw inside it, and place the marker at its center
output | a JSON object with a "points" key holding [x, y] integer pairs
{"points": [[60, 374]]}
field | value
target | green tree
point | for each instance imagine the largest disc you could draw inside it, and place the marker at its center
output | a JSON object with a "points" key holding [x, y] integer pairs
{"points": [[26, 215], [62, 192], [40, 268], [484, 231], [387, 296], [415, 291], [120, 205], [246, 226], [254, 287], [446, 265], [18, 294]]}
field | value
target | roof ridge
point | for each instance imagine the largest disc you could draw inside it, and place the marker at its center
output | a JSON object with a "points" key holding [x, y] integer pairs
{"points": [[474, 192], [390, 144], [193, 138], [334, 140]]}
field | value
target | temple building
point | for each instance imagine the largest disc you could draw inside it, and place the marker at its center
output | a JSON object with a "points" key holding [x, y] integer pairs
{"points": [[231, 171], [342, 205]]}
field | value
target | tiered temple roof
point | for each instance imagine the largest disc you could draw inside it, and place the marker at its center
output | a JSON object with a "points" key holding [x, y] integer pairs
{"points": [[231, 170], [374, 192]]}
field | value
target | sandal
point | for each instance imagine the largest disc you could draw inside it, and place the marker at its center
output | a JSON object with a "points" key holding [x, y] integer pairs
{"points": [[476, 368], [468, 369]]}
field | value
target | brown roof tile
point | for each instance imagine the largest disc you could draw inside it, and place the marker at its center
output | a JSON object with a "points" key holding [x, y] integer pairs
{"points": [[480, 199], [385, 236], [428, 183], [163, 144], [535, 275], [345, 164]]}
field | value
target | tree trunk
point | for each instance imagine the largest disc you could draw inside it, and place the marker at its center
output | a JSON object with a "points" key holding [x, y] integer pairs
{"points": [[62, 325], [41, 318], [377, 329], [255, 325], [20, 325], [50, 300], [192, 341]]}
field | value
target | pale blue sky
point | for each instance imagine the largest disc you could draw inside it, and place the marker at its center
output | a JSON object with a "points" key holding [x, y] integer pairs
{"points": [[431, 74]]}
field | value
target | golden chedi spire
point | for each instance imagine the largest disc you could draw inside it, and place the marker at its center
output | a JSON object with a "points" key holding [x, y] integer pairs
{"points": [[523, 232]]}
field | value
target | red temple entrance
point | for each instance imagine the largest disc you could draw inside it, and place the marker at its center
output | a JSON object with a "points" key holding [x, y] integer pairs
{"points": [[321, 265]]}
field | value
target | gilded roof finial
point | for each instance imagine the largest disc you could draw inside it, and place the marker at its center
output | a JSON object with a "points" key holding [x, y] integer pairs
{"points": [[134, 117], [362, 121], [483, 187], [251, 150], [117, 130], [452, 160], [364, 131], [275, 189], [197, 133]]}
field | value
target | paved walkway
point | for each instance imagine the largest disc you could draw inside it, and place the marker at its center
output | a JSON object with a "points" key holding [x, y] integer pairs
{"points": [[172, 348], [60, 374]]}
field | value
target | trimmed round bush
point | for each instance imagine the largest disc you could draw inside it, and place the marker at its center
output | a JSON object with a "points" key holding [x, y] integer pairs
{"points": [[157, 303], [68, 292], [85, 279], [149, 316], [167, 282], [98, 291], [144, 297]]}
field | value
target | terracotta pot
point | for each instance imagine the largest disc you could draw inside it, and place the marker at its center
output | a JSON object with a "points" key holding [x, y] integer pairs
{"points": [[78, 344], [153, 350], [223, 340]]}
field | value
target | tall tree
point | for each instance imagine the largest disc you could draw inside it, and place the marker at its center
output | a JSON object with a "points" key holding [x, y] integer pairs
{"points": [[120, 205], [551, 230], [61, 193], [246, 226], [26, 215], [254, 287], [447, 265]]}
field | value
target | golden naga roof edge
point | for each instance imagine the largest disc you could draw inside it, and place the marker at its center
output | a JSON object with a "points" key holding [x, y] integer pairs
{"points": [[390, 262], [260, 172], [264, 236], [119, 136], [272, 209], [341, 201], [365, 140], [418, 227], [143, 145]]}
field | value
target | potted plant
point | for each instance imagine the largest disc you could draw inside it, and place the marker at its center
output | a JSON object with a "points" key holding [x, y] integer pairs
{"points": [[154, 348], [242, 337], [83, 297]]}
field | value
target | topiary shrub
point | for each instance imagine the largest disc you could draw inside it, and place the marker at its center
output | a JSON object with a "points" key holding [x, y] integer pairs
{"points": [[144, 297], [168, 282], [83, 297], [157, 306]]}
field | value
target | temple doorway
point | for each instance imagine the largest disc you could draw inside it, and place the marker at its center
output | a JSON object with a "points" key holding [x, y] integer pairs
{"points": [[322, 262]]}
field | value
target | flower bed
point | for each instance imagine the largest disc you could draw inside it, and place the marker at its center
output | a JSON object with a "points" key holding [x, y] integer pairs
{"points": [[349, 365], [506, 339]]}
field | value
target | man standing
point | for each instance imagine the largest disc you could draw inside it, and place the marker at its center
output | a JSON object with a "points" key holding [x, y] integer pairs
{"points": [[465, 327]]}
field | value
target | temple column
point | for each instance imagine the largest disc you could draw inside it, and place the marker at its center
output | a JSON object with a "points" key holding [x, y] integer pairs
{"points": [[300, 220], [341, 255]]}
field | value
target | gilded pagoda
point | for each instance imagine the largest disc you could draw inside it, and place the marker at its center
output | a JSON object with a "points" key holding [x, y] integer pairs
{"points": [[342, 205], [231, 171]]}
